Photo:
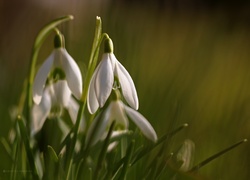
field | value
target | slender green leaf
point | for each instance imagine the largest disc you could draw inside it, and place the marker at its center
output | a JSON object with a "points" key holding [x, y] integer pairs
{"points": [[52, 154], [150, 147], [98, 32], [6, 146], [103, 151], [215, 156], [28, 149], [93, 57], [127, 160], [70, 152]]}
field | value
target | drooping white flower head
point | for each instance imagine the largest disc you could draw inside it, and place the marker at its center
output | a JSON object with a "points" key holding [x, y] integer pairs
{"points": [[107, 72], [185, 155], [117, 111], [55, 96], [59, 58]]}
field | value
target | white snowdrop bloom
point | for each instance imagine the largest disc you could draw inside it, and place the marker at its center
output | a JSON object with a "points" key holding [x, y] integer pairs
{"points": [[55, 97], [185, 155], [107, 73], [59, 58], [117, 111]]}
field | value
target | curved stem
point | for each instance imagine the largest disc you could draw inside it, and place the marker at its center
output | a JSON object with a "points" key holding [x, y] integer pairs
{"points": [[69, 159], [92, 63]]}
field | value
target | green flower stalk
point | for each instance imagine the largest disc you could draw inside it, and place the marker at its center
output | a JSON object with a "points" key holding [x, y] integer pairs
{"points": [[92, 63], [93, 56]]}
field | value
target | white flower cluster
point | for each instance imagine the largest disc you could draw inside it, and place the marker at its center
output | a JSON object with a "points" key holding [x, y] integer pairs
{"points": [[63, 78]]}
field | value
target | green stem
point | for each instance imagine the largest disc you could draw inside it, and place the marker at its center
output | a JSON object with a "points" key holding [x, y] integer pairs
{"points": [[92, 63], [16, 150], [28, 149], [127, 160], [123, 147], [69, 160], [92, 59], [103, 151], [87, 148], [98, 32], [98, 38]]}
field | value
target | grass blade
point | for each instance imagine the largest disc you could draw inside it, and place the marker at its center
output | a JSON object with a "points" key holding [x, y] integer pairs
{"points": [[28, 149], [149, 148], [208, 160]]}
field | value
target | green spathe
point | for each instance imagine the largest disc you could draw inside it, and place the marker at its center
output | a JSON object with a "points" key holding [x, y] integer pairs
{"points": [[59, 40], [108, 46]]}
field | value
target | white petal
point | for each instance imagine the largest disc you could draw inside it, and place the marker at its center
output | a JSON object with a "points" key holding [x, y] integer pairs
{"points": [[73, 73], [127, 85], [73, 108], [51, 92], [62, 93], [41, 77], [104, 80], [142, 123], [112, 146], [40, 113], [98, 127], [186, 155], [91, 98], [118, 114]]}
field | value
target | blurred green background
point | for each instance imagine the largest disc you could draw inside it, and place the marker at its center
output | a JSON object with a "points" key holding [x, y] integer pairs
{"points": [[187, 56]]}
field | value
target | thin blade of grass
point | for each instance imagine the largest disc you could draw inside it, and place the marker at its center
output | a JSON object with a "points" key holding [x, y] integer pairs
{"points": [[103, 151], [52, 154], [28, 149], [213, 157], [127, 160], [150, 147]]}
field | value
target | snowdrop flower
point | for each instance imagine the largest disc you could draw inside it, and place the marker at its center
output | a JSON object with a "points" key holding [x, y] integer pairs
{"points": [[55, 97], [107, 74], [117, 111], [59, 59], [185, 155]]}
